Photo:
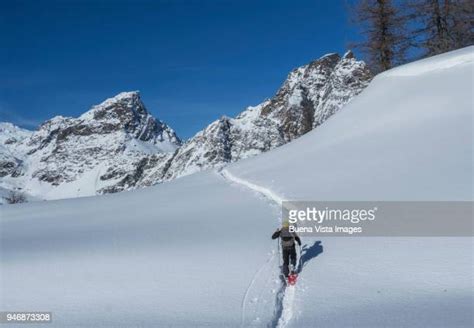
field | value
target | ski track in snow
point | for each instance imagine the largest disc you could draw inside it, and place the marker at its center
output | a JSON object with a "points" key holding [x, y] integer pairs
{"points": [[252, 283], [285, 298]]}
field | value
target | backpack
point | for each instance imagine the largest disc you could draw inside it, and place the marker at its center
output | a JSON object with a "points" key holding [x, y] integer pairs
{"points": [[287, 238]]}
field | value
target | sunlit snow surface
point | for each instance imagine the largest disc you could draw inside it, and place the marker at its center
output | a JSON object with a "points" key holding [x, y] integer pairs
{"points": [[197, 251], [180, 254]]}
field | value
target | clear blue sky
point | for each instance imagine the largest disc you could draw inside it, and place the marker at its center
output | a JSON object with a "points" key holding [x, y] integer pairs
{"points": [[193, 61]]}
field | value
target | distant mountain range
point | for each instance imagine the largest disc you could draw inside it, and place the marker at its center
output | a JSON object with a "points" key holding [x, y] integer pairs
{"points": [[118, 145]]}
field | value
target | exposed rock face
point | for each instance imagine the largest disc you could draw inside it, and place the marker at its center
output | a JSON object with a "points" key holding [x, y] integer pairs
{"points": [[9, 164], [118, 145]]}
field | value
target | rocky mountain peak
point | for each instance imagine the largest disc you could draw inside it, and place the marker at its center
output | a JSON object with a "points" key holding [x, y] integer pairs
{"points": [[327, 61], [348, 55], [125, 114], [121, 107], [313, 92]]}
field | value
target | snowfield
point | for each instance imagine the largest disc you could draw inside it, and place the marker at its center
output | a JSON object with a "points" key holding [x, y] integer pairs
{"points": [[196, 252], [179, 254]]}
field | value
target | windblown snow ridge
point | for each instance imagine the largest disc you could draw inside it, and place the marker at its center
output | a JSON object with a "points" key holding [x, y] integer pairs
{"points": [[439, 62]]}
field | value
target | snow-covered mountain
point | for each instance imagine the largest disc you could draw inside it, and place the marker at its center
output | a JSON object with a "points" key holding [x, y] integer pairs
{"points": [[118, 145], [196, 252], [100, 150]]}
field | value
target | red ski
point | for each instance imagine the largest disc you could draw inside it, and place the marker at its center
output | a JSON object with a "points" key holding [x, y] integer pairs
{"points": [[292, 278]]}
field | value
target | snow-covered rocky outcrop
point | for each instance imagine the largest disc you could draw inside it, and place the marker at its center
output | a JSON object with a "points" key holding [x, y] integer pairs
{"points": [[118, 145]]}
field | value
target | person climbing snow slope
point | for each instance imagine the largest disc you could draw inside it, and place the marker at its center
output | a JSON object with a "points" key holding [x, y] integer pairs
{"points": [[288, 247]]}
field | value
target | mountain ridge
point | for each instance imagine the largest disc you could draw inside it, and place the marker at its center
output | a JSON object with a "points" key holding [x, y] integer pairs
{"points": [[118, 145]]}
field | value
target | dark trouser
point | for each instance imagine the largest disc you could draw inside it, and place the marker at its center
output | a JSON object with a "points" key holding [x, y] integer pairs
{"points": [[288, 253]]}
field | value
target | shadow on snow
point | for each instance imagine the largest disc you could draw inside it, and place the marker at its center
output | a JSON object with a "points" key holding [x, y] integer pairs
{"points": [[309, 253]]}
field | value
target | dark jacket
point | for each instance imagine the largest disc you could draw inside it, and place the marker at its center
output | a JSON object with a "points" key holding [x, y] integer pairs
{"points": [[287, 238]]}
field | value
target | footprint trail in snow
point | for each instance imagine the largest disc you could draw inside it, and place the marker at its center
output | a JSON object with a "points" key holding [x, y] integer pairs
{"points": [[285, 296]]}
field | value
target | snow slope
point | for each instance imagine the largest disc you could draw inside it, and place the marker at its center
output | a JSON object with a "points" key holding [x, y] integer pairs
{"points": [[197, 251]]}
